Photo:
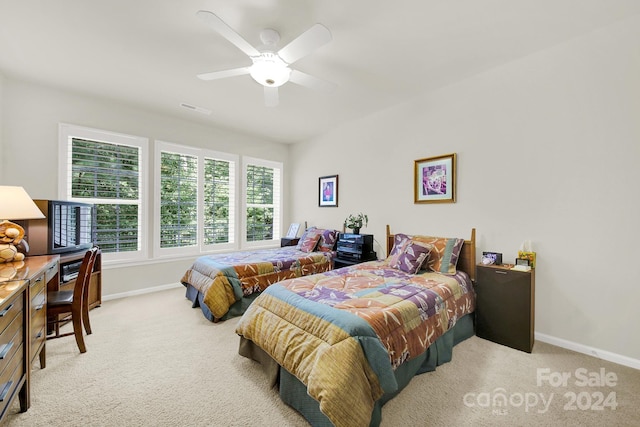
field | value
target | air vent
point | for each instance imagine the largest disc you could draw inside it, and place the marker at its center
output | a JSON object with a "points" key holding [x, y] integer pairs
{"points": [[195, 108]]}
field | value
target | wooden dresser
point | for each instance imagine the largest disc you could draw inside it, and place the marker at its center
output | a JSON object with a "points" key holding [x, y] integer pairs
{"points": [[23, 318]]}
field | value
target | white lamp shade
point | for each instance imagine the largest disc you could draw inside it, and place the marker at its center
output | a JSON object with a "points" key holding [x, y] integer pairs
{"points": [[16, 204]]}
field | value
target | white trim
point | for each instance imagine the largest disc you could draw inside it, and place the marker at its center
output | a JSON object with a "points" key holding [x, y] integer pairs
{"points": [[591, 351], [201, 155], [68, 131], [141, 291], [277, 202]]}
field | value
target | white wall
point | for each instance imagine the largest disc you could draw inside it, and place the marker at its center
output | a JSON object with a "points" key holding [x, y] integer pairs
{"points": [[2, 157], [548, 148], [31, 116]]}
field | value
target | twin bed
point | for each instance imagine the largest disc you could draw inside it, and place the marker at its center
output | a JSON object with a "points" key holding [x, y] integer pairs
{"points": [[343, 342], [223, 285]]}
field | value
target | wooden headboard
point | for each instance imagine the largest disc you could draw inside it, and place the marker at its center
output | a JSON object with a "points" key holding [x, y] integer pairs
{"points": [[467, 259]]}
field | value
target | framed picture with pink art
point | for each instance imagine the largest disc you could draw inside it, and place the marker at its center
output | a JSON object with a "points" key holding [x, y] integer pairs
{"points": [[328, 191], [435, 179]]}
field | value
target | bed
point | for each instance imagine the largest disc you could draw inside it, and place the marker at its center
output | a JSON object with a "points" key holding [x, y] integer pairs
{"points": [[342, 343], [224, 285]]}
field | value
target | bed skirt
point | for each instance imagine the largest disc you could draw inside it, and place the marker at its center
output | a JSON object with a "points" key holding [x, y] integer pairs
{"points": [[237, 309], [294, 393]]}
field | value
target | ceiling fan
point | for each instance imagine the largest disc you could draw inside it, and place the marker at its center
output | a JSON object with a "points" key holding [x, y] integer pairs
{"points": [[271, 67]]}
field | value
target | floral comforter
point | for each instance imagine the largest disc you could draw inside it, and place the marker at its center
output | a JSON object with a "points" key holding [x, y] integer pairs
{"points": [[223, 279], [342, 333]]}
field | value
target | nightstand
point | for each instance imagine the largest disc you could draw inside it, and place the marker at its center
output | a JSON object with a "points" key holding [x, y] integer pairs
{"points": [[289, 241], [354, 249], [505, 306], [341, 262]]}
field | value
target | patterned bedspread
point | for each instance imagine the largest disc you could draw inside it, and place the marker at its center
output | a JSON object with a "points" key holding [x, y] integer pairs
{"points": [[225, 278], [342, 333]]}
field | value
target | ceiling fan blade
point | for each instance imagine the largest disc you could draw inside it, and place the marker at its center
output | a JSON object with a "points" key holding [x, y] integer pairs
{"points": [[304, 79], [305, 43], [224, 73], [227, 32], [271, 97]]}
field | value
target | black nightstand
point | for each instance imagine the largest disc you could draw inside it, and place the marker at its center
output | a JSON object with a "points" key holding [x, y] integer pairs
{"points": [[354, 249], [505, 306], [342, 262], [289, 241]]}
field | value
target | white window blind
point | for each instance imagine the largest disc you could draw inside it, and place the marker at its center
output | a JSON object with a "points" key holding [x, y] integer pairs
{"points": [[195, 201], [262, 213], [105, 169]]}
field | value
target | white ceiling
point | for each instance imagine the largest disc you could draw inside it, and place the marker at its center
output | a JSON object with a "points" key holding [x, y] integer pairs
{"points": [[148, 52]]}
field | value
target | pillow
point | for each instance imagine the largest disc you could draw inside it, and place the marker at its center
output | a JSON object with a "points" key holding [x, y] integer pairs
{"points": [[399, 241], [327, 241], [412, 256], [444, 254], [310, 241], [307, 231]]}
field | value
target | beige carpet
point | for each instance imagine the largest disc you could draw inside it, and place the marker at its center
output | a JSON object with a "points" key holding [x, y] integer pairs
{"points": [[154, 361]]}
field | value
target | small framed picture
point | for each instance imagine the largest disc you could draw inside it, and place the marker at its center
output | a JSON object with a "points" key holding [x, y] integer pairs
{"points": [[491, 258], [522, 261], [328, 191], [293, 230], [435, 179]]}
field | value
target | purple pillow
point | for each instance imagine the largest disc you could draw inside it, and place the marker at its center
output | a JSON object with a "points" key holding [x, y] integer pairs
{"points": [[327, 240], [302, 238], [310, 241], [399, 242], [413, 255]]}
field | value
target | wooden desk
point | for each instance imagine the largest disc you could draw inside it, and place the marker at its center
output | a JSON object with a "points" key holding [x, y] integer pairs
{"points": [[25, 292]]}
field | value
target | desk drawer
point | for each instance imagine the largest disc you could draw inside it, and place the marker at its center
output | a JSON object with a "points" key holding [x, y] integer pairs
{"points": [[11, 378], [10, 310], [10, 341], [38, 322], [37, 285], [51, 272], [38, 335]]}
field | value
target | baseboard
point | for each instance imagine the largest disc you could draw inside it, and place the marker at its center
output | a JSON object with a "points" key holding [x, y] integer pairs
{"points": [[141, 291], [591, 351]]}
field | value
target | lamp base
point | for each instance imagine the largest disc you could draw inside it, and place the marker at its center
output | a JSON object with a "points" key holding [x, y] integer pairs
{"points": [[10, 232], [10, 237]]}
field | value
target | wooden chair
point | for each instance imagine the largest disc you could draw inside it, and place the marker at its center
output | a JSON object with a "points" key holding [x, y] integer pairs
{"points": [[61, 304]]}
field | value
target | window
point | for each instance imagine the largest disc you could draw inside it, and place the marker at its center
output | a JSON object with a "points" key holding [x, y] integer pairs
{"points": [[106, 169], [262, 204], [197, 202], [195, 199], [178, 200], [219, 201]]}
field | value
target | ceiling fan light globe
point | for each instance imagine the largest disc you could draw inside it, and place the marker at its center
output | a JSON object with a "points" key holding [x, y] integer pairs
{"points": [[269, 70]]}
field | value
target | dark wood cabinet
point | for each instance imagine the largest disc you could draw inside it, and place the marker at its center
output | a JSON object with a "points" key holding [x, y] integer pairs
{"points": [[340, 262], [354, 249], [505, 306], [289, 241]]}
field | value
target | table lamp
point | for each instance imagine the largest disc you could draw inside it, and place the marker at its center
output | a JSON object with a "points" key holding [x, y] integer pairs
{"points": [[15, 204]]}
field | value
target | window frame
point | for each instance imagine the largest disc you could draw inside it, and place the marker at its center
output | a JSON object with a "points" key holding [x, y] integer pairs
{"points": [[277, 204], [201, 154], [66, 132]]}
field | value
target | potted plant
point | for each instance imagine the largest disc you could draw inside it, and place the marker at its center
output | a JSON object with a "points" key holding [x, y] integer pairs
{"points": [[356, 222]]}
